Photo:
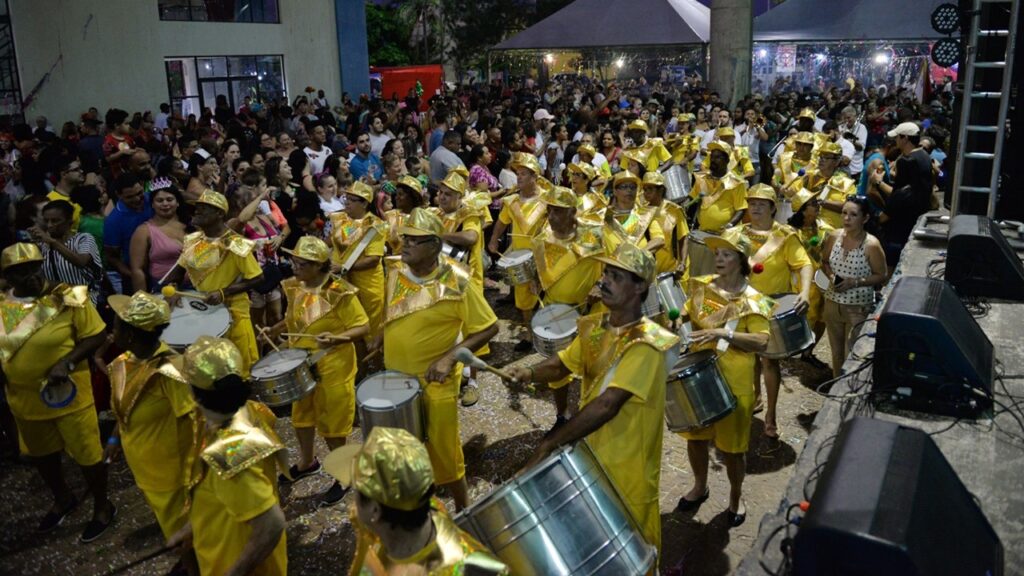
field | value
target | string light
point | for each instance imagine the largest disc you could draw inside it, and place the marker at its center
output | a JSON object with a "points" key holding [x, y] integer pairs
{"points": [[881, 58]]}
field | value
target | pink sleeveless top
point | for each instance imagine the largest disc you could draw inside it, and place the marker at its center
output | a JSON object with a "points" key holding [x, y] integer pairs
{"points": [[163, 252]]}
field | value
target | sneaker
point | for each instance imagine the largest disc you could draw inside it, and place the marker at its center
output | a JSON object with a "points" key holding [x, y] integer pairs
{"points": [[94, 529], [470, 393], [333, 495], [54, 519], [299, 474]]}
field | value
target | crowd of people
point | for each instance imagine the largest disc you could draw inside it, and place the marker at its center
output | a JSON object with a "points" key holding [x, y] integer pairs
{"points": [[380, 233]]}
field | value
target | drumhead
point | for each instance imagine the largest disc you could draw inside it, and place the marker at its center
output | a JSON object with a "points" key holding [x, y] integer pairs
{"points": [[514, 257], [60, 395], [387, 389], [193, 319], [279, 362], [693, 362], [784, 303], [821, 280], [555, 321]]}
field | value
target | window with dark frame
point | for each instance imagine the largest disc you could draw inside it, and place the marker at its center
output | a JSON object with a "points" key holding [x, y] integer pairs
{"points": [[245, 11], [195, 82]]}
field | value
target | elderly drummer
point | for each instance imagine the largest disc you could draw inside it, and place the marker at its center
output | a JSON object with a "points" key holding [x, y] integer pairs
{"points": [[430, 301], [722, 196], [728, 316], [323, 313], [793, 165], [48, 333], [400, 527], [776, 256], [358, 238], [566, 252], [525, 213], [235, 523], [591, 202], [623, 359], [220, 263], [463, 226], [830, 186], [156, 417], [628, 221], [672, 221]]}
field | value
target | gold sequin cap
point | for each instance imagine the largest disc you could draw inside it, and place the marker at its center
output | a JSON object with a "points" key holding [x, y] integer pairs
{"points": [[142, 310], [215, 199], [422, 222], [633, 258], [559, 196], [392, 468], [310, 248], [20, 253], [209, 359]]}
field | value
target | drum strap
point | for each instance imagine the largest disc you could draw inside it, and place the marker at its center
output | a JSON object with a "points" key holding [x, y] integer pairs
{"points": [[359, 248], [774, 242], [731, 325], [18, 323]]}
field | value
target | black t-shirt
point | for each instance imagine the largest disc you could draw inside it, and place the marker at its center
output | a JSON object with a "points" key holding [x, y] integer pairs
{"points": [[910, 195]]}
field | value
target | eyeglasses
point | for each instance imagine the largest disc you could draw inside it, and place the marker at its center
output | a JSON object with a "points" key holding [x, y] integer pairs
{"points": [[419, 242]]}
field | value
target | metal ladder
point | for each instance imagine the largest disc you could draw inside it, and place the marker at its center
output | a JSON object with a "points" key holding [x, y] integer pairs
{"points": [[984, 154]]}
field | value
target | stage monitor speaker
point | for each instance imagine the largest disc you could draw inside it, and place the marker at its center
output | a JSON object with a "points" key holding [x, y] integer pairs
{"points": [[980, 262], [928, 347], [888, 503]]}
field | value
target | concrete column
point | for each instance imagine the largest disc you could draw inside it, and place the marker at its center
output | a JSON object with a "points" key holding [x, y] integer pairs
{"points": [[732, 40], [353, 55]]}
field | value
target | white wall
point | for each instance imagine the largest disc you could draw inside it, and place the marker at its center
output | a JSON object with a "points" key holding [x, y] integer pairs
{"points": [[110, 53]]}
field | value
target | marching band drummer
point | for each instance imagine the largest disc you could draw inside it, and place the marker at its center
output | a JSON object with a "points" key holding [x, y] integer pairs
{"points": [[47, 334], [408, 195], [685, 145], [812, 232], [739, 159], [566, 252], [723, 196], [327, 309], [358, 237], [731, 317], [651, 151], [220, 262], [525, 213], [401, 528], [672, 221], [623, 360], [430, 301], [830, 186], [776, 256], [591, 202], [236, 524], [787, 169], [157, 425], [463, 226], [628, 221]]}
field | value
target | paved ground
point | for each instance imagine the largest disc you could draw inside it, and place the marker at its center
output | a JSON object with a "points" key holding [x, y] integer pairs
{"points": [[499, 434]]}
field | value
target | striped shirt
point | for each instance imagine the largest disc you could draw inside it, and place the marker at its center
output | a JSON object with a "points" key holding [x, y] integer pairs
{"points": [[57, 268]]}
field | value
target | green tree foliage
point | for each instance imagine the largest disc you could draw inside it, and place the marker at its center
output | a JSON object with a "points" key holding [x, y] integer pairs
{"points": [[387, 36]]}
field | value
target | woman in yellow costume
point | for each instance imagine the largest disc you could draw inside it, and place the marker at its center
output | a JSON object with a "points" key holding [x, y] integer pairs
{"points": [[812, 231], [358, 237]]}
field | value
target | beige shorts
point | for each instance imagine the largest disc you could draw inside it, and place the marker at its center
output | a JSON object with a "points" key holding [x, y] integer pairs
{"points": [[258, 300]]}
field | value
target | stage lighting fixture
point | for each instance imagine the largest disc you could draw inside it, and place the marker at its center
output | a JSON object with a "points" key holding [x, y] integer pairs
{"points": [[946, 18], [946, 52]]}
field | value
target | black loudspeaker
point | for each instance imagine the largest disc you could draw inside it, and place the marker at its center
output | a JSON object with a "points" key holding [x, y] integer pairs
{"points": [[888, 503], [980, 262], [930, 353]]}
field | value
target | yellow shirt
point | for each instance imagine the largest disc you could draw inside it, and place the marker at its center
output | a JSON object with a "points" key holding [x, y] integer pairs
{"points": [[654, 152], [370, 282], [683, 147], [30, 364], [210, 272], [466, 219], [568, 268], [838, 187], [332, 308], [672, 221], [639, 226], [707, 309], [739, 162], [628, 445], [782, 264], [722, 199], [420, 326], [787, 171], [154, 420], [395, 219], [221, 508], [526, 217]]}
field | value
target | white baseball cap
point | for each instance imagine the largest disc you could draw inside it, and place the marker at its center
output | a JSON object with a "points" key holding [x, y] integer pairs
{"points": [[905, 129], [542, 114]]}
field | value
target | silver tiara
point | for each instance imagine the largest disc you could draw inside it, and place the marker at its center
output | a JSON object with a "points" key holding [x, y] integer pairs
{"points": [[160, 183]]}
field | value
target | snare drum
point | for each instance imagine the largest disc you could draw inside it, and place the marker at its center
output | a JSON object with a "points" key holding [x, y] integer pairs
{"points": [[561, 517], [193, 319], [554, 327], [821, 280], [59, 396], [671, 298], [518, 267], [391, 399], [702, 258], [696, 394], [790, 332], [458, 253], [282, 377]]}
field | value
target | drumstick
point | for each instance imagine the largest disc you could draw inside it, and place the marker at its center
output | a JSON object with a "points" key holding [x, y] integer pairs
{"points": [[468, 358], [558, 317], [305, 335], [269, 340], [168, 291]]}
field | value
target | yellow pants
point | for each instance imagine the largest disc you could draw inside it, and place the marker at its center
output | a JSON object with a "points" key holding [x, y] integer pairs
{"points": [[332, 405], [169, 509], [444, 443], [732, 433], [526, 299], [244, 337], [77, 433]]}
